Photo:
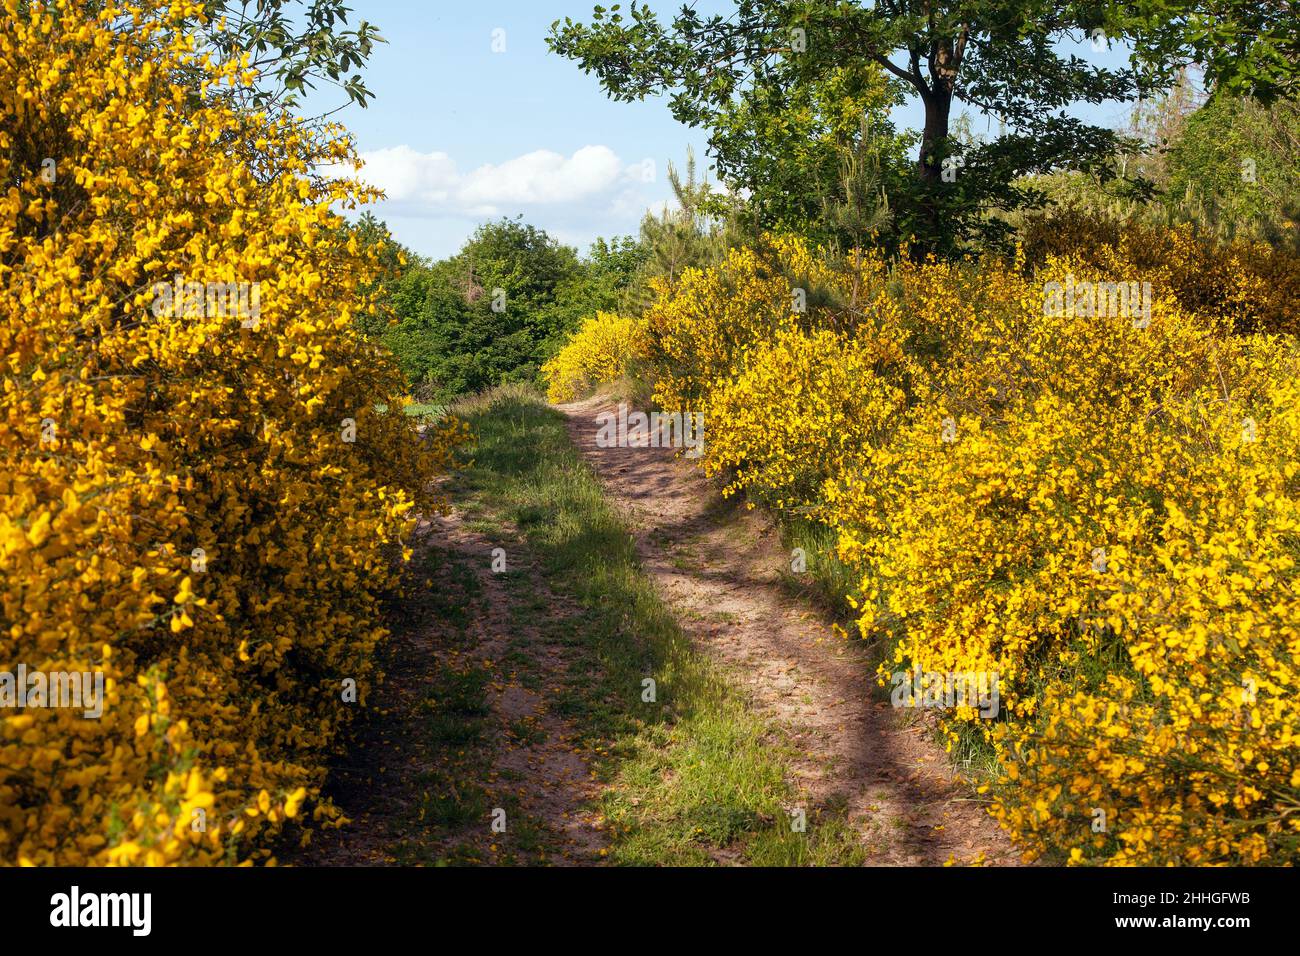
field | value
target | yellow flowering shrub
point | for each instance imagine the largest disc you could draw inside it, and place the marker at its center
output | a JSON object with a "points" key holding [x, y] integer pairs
{"points": [[599, 352], [700, 325], [1021, 413], [1253, 285], [199, 501], [1190, 754], [838, 405], [1099, 508], [1019, 523]]}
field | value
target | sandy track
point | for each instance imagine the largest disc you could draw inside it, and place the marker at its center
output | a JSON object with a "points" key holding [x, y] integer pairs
{"points": [[718, 568], [545, 775]]}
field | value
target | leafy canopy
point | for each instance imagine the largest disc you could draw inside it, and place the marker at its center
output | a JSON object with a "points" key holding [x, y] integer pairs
{"points": [[755, 77]]}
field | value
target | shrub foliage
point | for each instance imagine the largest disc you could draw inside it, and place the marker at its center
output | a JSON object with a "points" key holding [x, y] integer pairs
{"points": [[1101, 508], [204, 507]]}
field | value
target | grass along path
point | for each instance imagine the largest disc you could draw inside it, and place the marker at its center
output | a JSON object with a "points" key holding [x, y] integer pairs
{"points": [[462, 762], [689, 775], [595, 648], [526, 691]]}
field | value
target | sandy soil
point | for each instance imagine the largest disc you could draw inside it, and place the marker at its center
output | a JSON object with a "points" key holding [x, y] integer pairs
{"points": [[533, 753], [719, 567]]}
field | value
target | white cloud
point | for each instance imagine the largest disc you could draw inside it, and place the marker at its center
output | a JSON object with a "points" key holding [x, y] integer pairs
{"points": [[430, 184], [410, 177], [432, 205], [544, 177]]}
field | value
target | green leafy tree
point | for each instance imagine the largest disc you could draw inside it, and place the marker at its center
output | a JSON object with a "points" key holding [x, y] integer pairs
{"points": [[996, 56], [294, 44], [1236, 169], [1245, 47], [822, 142], [1228, 165], [496, 310], [515, 265], [600, 285]]}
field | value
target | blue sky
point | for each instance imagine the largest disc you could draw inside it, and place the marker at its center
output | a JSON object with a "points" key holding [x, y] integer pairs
{"points": [[459, 133]]}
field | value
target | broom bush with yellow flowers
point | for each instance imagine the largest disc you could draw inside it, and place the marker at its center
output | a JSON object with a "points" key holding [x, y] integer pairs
{"points": [[1252, 284], [601, 350], [1099, 506], [201, 497]]}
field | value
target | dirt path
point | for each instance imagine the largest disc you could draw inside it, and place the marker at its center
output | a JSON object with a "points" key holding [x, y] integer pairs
{"points": [[461, 730], [717, 567]]}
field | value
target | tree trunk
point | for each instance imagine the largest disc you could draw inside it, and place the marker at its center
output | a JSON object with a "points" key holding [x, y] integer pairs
{"points": [[937, 96], [938, 106]]}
